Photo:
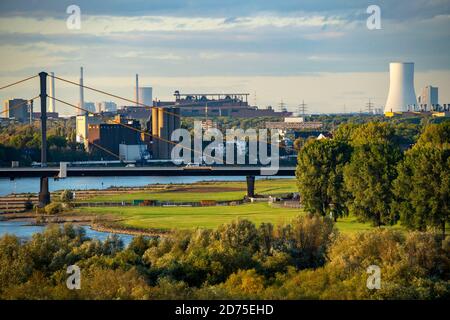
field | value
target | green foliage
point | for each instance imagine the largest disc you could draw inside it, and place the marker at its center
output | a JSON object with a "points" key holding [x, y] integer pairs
{"points": [[320, 176], [369, 175], [300, 260], [53, 208], [423, 184], [66, 196]]}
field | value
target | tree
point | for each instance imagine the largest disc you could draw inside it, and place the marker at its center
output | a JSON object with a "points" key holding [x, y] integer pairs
{"points": [[320, 176], [369, 175], [423, 184]]}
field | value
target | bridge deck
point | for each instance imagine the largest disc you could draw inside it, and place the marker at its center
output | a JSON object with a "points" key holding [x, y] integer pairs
{"points": [[145, 171]]}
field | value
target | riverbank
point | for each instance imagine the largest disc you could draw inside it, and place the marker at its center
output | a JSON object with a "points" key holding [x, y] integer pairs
{"points": [[108, 224]]}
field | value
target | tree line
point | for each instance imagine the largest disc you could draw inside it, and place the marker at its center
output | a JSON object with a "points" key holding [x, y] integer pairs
{"points": [[304, 259], [368, 171]]}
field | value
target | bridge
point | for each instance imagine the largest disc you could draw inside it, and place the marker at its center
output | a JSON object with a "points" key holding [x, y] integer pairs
{"points": [[45, 172], [53, 172]]}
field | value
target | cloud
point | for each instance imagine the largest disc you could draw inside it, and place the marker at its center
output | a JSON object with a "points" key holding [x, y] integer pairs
{"points": [[105, 25]]}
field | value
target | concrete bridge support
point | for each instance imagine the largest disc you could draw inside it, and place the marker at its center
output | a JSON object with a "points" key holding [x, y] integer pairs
{"points": [[250, 186], [44, 194]]}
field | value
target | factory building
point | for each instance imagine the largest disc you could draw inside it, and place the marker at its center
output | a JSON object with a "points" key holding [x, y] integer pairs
{"points": [[218, 105], [18, 109], [164, 122], [110, 135], [106, 106]]}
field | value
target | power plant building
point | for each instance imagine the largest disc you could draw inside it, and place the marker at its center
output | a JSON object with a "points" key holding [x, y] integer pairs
{"points": [[18, 109], [428, 100], [145, 95]]}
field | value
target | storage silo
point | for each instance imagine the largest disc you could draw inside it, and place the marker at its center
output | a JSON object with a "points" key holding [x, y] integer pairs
{"points": [[402, 96]]}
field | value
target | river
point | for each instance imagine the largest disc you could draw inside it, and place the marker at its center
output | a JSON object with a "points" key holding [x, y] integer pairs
{"points": [[25, 185], [25, 230]]}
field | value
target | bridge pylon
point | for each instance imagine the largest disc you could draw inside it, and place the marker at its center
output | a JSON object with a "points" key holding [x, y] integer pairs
{"points": [[250, 186], [44, 194]]}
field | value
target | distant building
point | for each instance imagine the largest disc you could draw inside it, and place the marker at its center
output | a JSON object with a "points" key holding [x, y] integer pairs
{"points": [[218, 105], [110, 135], [146, 96], [90, 106], [428, 99], [106, 106], [133, 152], [82, 123], [133, 112], [50, 115], [18, 109]]}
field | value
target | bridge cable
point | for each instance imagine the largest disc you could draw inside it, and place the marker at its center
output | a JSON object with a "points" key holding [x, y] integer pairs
{"points": [[136, 102], [131, 127], [116, 96], [17, 82]]}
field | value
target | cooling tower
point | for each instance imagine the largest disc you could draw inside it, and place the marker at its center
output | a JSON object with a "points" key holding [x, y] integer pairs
{"points": [[402, 96]]}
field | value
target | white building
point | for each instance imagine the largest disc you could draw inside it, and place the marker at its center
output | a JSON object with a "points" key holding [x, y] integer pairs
{"points": [[107, 106], [428, 99]]}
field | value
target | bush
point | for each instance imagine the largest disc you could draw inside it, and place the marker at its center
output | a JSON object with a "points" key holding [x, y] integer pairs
{"points": [[53, 208], [66, 196]]}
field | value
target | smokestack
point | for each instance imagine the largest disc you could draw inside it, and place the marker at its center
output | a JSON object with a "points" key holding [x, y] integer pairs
{"points": [[52, 103], [137, 90], [402, 96], [81, 92]]}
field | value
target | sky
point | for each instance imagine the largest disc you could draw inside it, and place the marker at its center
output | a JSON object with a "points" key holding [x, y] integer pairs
{"points": [[321, 52]]}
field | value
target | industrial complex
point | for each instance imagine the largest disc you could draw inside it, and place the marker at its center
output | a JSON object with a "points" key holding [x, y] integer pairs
{"points": [[141, 130]]}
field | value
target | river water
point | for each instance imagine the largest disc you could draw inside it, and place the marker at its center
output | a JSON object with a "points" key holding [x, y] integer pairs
{"points": [[23, 185], [25, 230]]}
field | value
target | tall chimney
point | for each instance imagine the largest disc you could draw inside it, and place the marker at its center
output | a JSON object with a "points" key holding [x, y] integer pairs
{"points": [[137, 90], [81, 92], [52, 103]]}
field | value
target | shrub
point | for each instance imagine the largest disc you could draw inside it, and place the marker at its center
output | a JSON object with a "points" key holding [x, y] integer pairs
{"points": [[53, 208]]}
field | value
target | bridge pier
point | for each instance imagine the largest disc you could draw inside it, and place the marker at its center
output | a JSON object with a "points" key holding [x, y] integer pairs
{"points": [[250, 186], [44, 194]]}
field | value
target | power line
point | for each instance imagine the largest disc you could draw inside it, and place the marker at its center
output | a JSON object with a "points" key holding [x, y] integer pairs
{"points": [[116, 96], [369, 106], [130, 127], [17, 82], [302, 107]]}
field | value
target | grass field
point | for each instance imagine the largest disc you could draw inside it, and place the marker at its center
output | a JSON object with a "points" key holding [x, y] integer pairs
{"points": [[219, 191], [210, 217]]}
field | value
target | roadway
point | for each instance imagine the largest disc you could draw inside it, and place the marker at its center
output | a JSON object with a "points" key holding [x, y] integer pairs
{"points": [[26, 172]]}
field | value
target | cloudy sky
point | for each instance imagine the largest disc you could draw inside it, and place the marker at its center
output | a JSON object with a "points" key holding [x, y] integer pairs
{"points": [[284, 50]]}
